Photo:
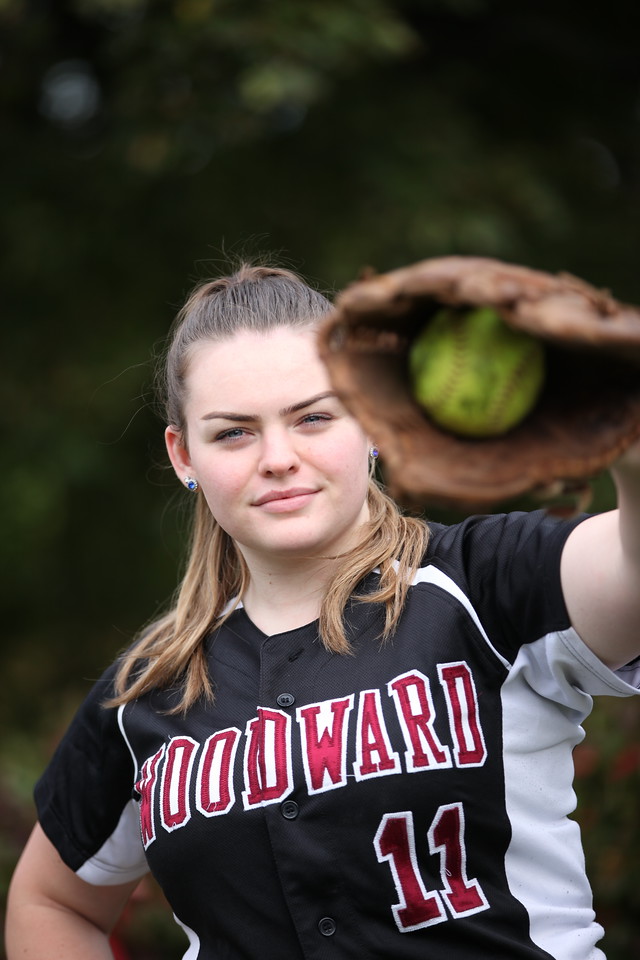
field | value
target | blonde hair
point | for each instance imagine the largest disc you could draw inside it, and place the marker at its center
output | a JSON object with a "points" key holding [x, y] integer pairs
{"points": [[172, 650]]}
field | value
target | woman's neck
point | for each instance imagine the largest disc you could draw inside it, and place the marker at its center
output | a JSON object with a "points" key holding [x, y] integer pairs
{"points": [[283, 596]]}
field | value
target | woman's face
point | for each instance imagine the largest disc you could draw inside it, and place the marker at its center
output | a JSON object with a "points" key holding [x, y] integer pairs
{"points": [[282, 465]]}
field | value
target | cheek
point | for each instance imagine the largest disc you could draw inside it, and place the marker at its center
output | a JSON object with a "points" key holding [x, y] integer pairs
{"points": [[222, 487], [224, 502], [346, 449], [348, 461]]}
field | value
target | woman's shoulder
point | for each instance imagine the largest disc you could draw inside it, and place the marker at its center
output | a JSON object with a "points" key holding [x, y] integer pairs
{"points": [[487, 536]]}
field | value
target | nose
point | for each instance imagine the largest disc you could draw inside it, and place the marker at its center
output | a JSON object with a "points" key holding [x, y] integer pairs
{"points": [[278, 455]]}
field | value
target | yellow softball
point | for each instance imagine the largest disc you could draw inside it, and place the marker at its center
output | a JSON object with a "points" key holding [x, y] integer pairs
{"points": [[473, 374]]}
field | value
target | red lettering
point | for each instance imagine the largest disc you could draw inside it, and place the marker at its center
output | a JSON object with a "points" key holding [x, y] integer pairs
{"points": [[267, 759], [215, 793], [395, 842], [324, 754], [459, 688], [146, 788], [414, 706], [418, 907], [375, 756], [446, 837], [176, 774]]}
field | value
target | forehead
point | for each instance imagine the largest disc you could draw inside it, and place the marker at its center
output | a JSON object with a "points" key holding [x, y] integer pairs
{"points": [[251, 370]]}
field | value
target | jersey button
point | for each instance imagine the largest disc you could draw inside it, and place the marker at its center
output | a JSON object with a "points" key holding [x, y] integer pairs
{"points": [[327, 926], [286, 700], [289, 809]]}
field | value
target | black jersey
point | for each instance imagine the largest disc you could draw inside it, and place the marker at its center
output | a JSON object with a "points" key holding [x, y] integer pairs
{"points": [[409, 800]]}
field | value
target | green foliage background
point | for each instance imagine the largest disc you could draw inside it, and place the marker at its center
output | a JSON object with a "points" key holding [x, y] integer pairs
{"points": [[145, 141]]}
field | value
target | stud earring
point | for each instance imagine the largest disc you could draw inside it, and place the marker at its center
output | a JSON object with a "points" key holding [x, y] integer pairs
{"points": [[373, 453], [191, 484]]}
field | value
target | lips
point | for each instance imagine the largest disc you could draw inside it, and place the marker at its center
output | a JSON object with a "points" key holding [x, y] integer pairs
{"points": [[283, 495]]}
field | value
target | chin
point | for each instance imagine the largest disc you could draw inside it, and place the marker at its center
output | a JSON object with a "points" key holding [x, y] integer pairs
{"points": [[300, 547]]}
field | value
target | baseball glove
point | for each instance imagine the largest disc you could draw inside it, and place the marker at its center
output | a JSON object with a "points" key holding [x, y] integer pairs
{"points": [[589, 412]]}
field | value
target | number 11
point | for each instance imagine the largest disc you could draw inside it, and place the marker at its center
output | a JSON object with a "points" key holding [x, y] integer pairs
{"points": [[417, 907]]}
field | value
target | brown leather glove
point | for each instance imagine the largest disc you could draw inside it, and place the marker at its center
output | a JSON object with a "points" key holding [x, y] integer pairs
{"points": [[589, 412]]}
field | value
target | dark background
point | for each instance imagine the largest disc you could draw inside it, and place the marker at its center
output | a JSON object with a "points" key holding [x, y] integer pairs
{"points": [[142, 144]]}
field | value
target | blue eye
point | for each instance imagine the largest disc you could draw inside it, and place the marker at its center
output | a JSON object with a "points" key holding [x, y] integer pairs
{"points": [[316, 418], [235, 433]]}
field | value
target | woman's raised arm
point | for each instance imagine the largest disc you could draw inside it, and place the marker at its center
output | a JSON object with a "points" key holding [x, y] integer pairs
{"points": [[601, 571]]}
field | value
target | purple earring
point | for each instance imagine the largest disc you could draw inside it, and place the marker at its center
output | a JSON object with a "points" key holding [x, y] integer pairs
{"points": [[373, 453], [191, 484]]}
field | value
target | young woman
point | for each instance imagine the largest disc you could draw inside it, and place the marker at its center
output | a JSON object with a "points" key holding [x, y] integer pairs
{"points": [[352, 734]]}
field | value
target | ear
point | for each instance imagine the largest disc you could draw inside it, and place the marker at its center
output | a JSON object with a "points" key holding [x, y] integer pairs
{"points": [[178, 453]]}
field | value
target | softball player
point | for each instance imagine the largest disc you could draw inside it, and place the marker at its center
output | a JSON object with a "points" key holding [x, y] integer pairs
{"points": [[352, 734]]}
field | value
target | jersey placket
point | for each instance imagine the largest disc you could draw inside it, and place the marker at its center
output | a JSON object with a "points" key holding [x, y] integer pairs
{"points": [[298, 830]]}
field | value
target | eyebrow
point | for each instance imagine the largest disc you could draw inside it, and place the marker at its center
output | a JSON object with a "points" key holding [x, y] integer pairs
{"points": [[253, 417]]}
